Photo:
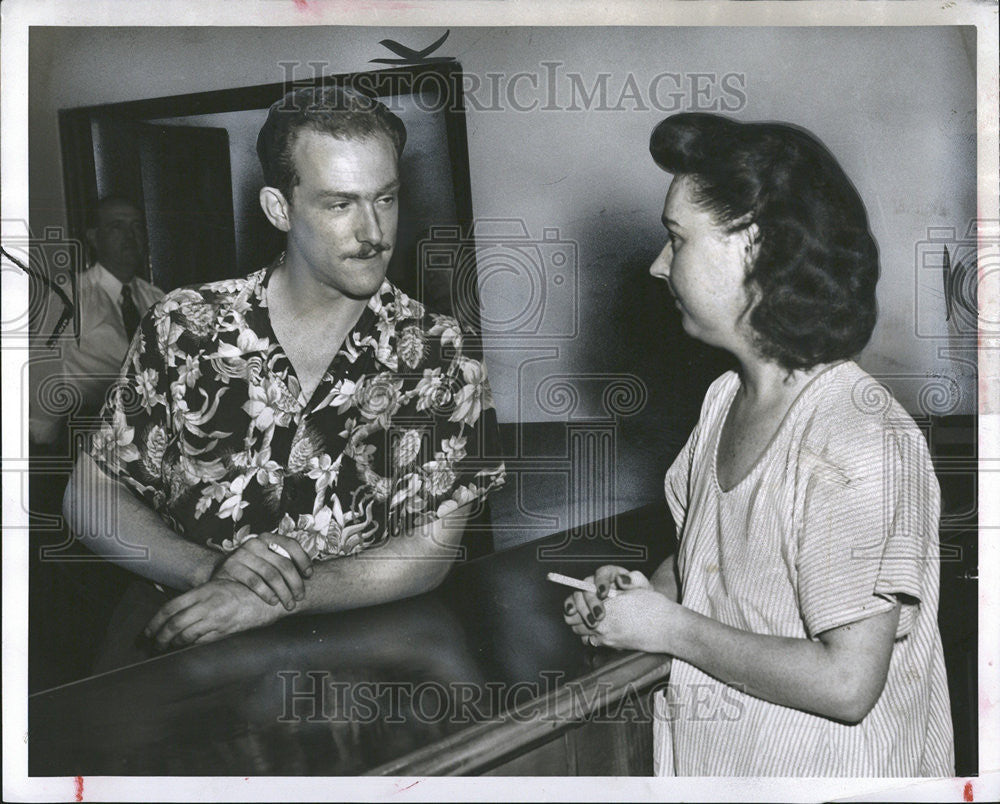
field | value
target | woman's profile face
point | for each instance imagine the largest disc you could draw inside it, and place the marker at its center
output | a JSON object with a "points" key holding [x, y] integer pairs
{"points": [[705, 267]]}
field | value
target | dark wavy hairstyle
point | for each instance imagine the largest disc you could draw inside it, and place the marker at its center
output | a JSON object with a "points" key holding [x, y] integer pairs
{"points": [[813, 279], [339, 111]]}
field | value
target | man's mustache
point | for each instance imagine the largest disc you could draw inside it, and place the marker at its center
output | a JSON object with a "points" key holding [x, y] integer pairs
{"points": [[371, 251]]}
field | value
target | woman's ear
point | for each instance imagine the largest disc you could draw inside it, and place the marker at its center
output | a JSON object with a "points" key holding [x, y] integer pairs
{"points": [[751, 245]]}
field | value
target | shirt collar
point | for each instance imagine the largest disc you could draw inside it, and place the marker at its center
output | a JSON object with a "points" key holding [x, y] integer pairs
{"points": [[112, 284]]}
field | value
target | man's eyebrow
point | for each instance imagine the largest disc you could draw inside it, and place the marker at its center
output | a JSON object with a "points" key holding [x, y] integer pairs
{"points": [[389, 188]]}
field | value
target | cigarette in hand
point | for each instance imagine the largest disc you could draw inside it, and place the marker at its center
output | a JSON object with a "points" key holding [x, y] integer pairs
{"points": [[277, 548], [583, 586]]}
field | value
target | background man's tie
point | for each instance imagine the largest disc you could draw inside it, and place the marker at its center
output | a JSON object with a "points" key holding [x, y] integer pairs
{"points": [[130, 313]]}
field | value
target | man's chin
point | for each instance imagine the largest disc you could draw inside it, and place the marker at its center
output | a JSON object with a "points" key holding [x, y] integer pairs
{"points": [[365, 287]]}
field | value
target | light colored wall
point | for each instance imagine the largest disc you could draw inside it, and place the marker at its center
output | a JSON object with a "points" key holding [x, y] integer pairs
{"points": [[896, 106]]}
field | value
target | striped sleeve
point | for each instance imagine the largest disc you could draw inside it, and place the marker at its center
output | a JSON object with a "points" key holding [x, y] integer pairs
{"points": [[870, 508]]}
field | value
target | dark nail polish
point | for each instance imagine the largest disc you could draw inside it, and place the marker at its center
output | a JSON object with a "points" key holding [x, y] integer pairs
{"points": [[598, 612], [602, 589], [590, 619], [624, 580], [568, 608]]}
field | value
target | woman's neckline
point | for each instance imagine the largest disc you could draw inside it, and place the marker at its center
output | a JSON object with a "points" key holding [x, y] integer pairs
{"points": [[774, 436]]}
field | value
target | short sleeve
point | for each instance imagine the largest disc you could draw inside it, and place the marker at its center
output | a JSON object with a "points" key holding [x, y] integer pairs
{"points": [[136, 423], [869, 526], [445, 445], [676, 485]]}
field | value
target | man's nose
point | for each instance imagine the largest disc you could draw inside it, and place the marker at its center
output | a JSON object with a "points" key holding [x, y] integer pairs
{"points": [[369, 229], [661, 265]]}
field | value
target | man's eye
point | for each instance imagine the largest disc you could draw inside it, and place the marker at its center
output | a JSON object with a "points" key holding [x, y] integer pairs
{"points": [[387, 200], [338, 205]]}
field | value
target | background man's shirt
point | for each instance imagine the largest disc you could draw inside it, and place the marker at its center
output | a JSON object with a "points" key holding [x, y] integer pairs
{"points": [[92, 365], [210, 427]]}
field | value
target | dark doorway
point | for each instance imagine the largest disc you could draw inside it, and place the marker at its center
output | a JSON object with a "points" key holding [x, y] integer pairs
{"points": [[187, 188]]}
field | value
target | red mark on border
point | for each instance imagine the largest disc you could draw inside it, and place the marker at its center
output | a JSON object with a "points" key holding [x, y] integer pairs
{"points": [[79, 788], [967, 792], [412, 784]]}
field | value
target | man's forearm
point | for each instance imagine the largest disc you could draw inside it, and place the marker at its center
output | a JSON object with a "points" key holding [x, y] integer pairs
{"points": [[404, 566], [115, 524]]}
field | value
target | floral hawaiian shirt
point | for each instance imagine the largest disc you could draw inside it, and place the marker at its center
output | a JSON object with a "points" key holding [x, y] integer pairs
{"points": [[208, 424]]}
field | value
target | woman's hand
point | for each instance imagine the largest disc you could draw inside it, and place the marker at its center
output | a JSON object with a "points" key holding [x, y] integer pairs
{"points": [[273, 576], [639, 619], [606, 578], [209, 612]]}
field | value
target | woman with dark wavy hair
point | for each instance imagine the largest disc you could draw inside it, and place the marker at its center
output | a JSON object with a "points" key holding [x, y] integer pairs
{"points": [[801, 609]]}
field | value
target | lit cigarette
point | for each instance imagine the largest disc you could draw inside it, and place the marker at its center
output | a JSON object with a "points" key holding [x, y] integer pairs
{"points": [[583, 586]]}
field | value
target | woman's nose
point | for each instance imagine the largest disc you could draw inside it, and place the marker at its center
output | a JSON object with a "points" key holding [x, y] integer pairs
{"points": [[661, 265]]}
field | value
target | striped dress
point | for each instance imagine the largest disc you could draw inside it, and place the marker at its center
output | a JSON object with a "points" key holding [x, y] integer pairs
{"points": [[836, 519]]}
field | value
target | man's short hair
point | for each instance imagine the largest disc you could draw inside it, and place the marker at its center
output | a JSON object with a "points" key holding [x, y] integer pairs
{"points": [[339, 111]]}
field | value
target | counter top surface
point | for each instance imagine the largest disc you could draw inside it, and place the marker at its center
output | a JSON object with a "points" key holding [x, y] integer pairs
{"points": [[399, 687]]}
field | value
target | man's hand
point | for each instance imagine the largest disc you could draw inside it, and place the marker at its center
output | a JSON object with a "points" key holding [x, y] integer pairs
{"points": [[209, 612], [272, 576]]}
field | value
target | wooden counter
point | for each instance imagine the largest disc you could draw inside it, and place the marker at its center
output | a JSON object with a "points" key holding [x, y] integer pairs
{"points": [[481, 675]]}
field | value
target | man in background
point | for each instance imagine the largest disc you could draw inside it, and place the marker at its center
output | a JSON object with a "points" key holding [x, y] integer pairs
{"points": [[112, 298], [69, 599]]}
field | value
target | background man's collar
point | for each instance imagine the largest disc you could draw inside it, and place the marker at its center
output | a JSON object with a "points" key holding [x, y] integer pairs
{"points": [[107, 280]]}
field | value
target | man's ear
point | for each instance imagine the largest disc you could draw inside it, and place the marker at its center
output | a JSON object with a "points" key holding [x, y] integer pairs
{"points": [[275, 207]]}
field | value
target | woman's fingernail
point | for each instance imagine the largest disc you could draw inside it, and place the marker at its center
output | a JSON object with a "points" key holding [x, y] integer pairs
{"points": [[624, 580], [568, 608], [598, 611], [590, 619], [602, 589]]}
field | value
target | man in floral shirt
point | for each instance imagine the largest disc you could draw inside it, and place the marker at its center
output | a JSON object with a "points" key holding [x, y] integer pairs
{"points": [[310, 411]]}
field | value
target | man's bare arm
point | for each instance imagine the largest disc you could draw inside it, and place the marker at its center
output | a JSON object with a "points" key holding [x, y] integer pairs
{"points": [[405, 566], [117, 525]]}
